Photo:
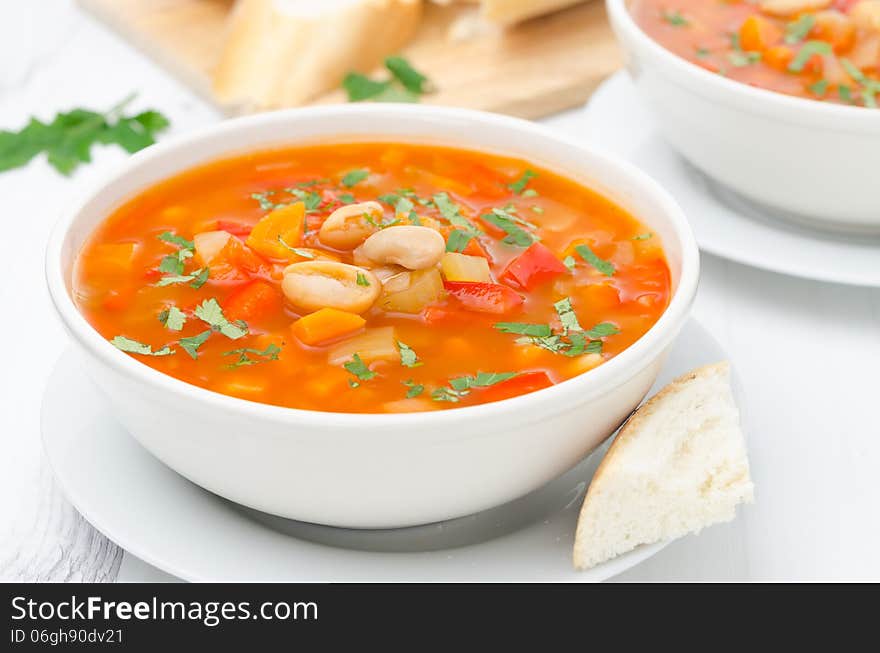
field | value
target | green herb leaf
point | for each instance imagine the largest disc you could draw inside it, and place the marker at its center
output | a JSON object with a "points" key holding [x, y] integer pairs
{"points": [[569, 262], [174, 239], [69, 138], [519, 185], [415, 389], [642, 236], [357, 367], [134, 347], [461, 386], [451, 212], [567, 316], [797, 30], [808, 49], [505, 221], [270, 353], [196, 278], [458, 240], [296, 250], [191, 345], [603, 266], [524, 329], [362, 279], [360, 87], [408, 357], [173, 318], [819, 88], [411, 79], [353, 177], [211, 313], [675, 18], [603, 329]]}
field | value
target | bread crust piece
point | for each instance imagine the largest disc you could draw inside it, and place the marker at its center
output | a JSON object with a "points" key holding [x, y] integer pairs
{"points": [[273, 59], [510, 12], [628, 433]]}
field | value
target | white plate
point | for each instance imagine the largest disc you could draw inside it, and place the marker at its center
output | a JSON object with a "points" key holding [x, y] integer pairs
{"points": [[725, 225], [184, 530]]}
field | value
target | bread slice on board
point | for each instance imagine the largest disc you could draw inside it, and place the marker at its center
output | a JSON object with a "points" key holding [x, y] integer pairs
{"points": [[509, 12], [678, 465], [281, 53]]}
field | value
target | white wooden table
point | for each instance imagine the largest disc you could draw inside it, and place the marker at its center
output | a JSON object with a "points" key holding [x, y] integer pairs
{"points": [[808, 352]]}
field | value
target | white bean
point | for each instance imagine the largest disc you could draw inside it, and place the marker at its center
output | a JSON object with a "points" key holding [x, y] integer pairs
{"points": [[350, 225], [792, 7], [415, 248], [313, 285]]}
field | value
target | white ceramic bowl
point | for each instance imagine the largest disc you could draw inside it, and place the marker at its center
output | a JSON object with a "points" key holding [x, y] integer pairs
{"points": [[806, 160], [375, 470]]}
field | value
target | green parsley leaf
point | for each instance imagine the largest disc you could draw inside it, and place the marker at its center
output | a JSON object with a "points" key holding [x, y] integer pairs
{"points": [[644, 236], [603, 266], [270, 353], [569, 262], [403, 206], [357, 367], [406, 84], [519, 185], [196, 278], [173, 318], [200, 278], [346, 198], [505, 221], [675, 18], [451, 212], [461, 386], [211, 313], [567, 316], [808, 49], [362, 279], [415, 389], [134, 347], [353, 177], [408, 357], [702, 53], [845, 93], [603, 329], [458, 240], [446, 394], [296, 250], [524, 329], [191, 345], [69, 138], [360, 87], [265, 203], [411, 79], [797, 30], [174, 239], [819, 88]]}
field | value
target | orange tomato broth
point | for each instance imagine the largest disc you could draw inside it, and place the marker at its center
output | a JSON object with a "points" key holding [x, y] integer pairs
{"points": [[116, 276], [829, 53]]}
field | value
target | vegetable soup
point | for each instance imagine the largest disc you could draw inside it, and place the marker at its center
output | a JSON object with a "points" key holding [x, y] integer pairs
{"points": [[371, 277], [820, 49]]}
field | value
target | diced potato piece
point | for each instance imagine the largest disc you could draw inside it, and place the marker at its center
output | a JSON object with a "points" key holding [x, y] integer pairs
{"points": [[209, 244], [375, 344], [785, 8], [113, 258], [461, 267], [425, 287], [866, 15], [326, 324], [414, 405], [284, 223], [585, 363]]}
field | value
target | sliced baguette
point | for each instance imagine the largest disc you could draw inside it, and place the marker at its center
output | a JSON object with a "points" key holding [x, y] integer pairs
{"points": [[281, 53], [509, 12], [678, 465]]}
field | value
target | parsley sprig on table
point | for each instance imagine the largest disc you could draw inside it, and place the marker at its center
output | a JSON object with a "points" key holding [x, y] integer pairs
{"points": [[405, 85], [68, 139]]}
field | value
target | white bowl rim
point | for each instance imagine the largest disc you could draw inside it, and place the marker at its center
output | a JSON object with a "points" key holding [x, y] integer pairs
{"points": [[838, 117], [594, 383]]}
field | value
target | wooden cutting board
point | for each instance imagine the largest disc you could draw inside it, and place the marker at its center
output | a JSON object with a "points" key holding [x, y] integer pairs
{"points": [[531, 70]]}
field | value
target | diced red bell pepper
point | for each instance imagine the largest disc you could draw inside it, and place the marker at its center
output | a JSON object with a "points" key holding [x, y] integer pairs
{"points": [[234, 228], [484, 297], [518, 385], [252, 302], [535, 266]]}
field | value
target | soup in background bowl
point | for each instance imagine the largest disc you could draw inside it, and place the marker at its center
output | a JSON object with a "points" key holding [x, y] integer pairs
{"points": [[562, 278], [771, 106]]}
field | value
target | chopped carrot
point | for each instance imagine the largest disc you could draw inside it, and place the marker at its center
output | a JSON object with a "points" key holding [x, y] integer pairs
{"points": [[778, 57], [113, 258], [252, 302], [284, 223], [326, 324], [757, 34]]}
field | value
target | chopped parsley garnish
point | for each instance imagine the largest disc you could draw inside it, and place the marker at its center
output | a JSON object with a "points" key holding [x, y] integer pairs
{"points": [[522, 181], [357, 367], [403, 206], [210, 312], [415, 389], [173, 318], [603, 266], [458, 240], [602, 330], [569, 262], [191, 345], [174, 263], [408, 357], [676, 18], [740, 57], [196, 279], [797, 30], [69, 138], [263, 199], [406, 84], [806, 52], [174, 239], [461, 386], [346, 198], [567, 316], [134, 347], [304, 253], [510, 224], [702, 53], [524, 329], [452, 214], [845, 93], [310, 199], [819, 88], [644, 236], [362, 279], [270, 353], [353, 177]]}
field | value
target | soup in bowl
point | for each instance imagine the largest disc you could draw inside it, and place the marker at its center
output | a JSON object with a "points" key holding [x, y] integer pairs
{"points": [[776, 100], [373, 316]]}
